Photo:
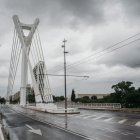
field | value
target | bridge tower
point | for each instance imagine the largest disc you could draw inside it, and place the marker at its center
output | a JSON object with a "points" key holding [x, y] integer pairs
{"points": [[25, 45], [37, 68]]}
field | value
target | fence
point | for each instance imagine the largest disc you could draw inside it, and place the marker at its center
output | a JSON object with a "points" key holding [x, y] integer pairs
{"points": [[91, 105]]}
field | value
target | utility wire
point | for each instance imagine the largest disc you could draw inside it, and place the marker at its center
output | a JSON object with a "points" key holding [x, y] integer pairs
{"points": [[16, 66], [13, 62], [67, 75], [87, 58], [110, 51], [112, 46], [34, 56]]}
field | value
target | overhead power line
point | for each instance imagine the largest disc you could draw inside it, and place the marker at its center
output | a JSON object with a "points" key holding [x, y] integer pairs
{"points": [[108, 52], [110, 47], [67, 75]]}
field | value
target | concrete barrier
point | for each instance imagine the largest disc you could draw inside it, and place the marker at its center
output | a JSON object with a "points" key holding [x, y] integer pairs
{"points": [[92, 105]]}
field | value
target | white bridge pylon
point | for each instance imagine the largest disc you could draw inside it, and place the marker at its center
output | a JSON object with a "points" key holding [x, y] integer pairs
{"points": [[30, 46]]}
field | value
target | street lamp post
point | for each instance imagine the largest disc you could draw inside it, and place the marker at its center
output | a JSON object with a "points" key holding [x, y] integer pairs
{"points": [[65, 80]]}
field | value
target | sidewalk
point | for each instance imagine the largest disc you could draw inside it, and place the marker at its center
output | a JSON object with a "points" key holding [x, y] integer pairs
{"points": [[136, 110], [1, 133]]}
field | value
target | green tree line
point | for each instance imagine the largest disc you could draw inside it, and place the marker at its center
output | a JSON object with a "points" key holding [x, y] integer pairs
{"points": [[124, 93]]}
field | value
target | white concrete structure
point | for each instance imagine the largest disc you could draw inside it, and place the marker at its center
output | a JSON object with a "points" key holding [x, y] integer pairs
{"points": [[39, 73], [30, 46], [26, 40]]}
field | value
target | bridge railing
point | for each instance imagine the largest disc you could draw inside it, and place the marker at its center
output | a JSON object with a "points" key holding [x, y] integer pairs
{"points": [[91, 105]]}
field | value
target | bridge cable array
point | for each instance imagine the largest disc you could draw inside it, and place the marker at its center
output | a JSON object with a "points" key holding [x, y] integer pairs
{"points": [[36, 57], [14, 61]]}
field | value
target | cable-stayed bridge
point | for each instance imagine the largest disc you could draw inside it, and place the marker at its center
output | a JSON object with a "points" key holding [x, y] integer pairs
{"points": [[27, 44]]}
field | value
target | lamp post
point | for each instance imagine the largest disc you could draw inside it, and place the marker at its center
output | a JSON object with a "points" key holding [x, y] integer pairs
{"points": [[65, 80]]}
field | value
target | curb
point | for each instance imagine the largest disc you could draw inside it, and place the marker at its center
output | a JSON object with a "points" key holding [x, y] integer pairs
{"points": [[45, 111], [3, 135], [117, 110]]}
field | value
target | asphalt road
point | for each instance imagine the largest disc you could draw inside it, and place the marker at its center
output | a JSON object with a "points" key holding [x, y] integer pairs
{"points": [[96, 125], [21, 127]]}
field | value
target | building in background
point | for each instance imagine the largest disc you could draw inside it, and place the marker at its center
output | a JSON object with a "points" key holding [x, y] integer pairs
{"points": [[28, 89], [15, 98], [99, 96]]}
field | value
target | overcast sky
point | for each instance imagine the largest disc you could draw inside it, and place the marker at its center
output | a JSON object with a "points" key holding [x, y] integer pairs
{"points": [[89, 27]]}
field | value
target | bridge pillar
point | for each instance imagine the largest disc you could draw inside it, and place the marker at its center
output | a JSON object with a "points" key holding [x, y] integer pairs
{"points": [[24, 77]]}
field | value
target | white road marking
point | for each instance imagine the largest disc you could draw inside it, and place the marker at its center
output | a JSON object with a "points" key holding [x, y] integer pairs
{"points": [[138, 123], [97, 118], [74, 115], [107, 120], [124, 134], [89, 116], [137, 137], [129, 133], [82, 115], [109, 136], [110, 130], [36, 131], [122, 121]]}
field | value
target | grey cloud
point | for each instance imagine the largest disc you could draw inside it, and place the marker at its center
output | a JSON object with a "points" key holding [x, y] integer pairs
{"points": [[59, 12], [131, 7], [66, 17], [129, 56]]}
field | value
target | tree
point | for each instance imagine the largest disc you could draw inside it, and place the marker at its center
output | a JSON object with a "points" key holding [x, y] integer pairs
{"points": [[31, 98], [2, 100], [73, 95], [10, 99], [62, 98], [126, 94], [94, 97], [123, 87], [86, 99]]}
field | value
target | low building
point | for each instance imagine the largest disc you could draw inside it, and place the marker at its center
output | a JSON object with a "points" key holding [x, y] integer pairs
{"points": [[15, 97], [99, 96]]}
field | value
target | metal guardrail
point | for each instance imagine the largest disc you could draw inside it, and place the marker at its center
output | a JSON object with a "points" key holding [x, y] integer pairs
{"points": [[91, 105]]}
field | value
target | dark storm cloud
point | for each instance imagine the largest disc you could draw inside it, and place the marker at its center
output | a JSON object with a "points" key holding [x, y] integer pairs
{"points": [[58, 12], [128, 56], [131, 7], [98, 23]]}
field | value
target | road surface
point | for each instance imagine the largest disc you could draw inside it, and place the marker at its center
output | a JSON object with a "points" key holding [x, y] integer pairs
{"points": [[95, 125], [21, 127]]}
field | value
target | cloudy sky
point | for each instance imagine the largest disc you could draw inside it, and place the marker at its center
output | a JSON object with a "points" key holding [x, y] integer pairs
{"points": [[90, 26]]}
